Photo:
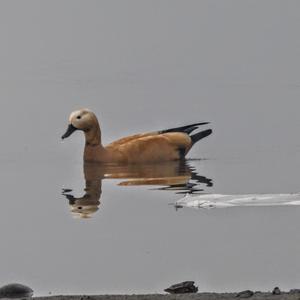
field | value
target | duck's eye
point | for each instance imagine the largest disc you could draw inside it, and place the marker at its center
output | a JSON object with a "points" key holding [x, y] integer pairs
{"points": [[78, 117]]}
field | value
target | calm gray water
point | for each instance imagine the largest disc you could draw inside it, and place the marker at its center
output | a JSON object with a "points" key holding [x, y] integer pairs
{"points": [[146, 65]]}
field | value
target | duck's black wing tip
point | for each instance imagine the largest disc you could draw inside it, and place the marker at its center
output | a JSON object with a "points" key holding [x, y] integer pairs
{"points": [[186, 129]]}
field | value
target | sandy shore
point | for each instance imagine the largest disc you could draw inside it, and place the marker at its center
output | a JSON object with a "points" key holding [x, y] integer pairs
{"points": [[197, 296]]}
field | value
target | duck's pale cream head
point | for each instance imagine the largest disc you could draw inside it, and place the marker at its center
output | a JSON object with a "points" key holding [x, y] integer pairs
{"points": [[82, 119]]}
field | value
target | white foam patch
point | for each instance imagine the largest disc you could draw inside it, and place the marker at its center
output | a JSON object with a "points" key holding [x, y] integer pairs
{"points": [[222, 201]]}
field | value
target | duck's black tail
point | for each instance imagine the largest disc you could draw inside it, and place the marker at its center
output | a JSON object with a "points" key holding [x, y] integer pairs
{"points": [[200, 135]]}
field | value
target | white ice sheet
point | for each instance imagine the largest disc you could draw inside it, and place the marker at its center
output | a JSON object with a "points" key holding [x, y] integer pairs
{"points": [[221, 201]]}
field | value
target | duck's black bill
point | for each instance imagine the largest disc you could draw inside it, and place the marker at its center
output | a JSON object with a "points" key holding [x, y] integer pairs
{"points": [[69, 131]]}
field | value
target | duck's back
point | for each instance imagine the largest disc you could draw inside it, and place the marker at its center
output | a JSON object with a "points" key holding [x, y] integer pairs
{"points": [[130, 138]]}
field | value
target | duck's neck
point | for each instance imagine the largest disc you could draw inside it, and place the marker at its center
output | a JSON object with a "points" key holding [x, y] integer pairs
{"points": [[93, 136], [93, 150]]}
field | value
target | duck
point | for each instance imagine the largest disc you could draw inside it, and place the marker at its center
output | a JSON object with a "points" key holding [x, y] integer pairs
{"points": [[150, 147]]}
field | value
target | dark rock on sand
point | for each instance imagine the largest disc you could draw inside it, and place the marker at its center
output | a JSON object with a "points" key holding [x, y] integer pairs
{"points": [[276, 291], [294, 291], [15, 290], [245, 294], [182, 288]]}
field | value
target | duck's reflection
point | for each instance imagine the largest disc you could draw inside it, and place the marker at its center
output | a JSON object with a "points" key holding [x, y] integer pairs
{"points": [[84, 207], [179, 176]]}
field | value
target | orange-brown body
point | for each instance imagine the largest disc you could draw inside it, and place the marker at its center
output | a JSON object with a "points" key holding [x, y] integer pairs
{"points": [[147, 148], [140, 148]]}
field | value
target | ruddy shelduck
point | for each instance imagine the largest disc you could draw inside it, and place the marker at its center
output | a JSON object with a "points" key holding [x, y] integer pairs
{"points": [[156, 146]]}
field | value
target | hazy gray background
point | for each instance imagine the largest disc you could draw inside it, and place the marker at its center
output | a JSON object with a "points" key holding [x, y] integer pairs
{"points": [[144, 65]]}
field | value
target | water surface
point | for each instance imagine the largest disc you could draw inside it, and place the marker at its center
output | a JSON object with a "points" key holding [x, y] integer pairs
{"points": [[148, 66]]}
